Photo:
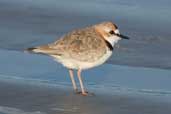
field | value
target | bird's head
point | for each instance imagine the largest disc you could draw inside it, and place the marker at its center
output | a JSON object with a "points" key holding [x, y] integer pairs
{"points": [[110, 32]]}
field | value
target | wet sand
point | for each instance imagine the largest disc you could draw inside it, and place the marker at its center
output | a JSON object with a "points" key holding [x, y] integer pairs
{"points": [[20, 98]]}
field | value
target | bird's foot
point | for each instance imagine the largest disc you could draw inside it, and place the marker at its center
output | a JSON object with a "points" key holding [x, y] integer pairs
{"points": [[86, 93]]}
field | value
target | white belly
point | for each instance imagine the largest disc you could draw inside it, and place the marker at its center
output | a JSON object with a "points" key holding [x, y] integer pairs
{"points": [[74, 64]]}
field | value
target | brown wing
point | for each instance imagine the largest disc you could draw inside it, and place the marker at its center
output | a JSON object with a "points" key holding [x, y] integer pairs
{"points": [[83, 44]]}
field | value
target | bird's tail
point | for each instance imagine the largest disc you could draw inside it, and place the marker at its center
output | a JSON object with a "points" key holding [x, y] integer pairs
{"points": [[41, 50], [30, 49]]}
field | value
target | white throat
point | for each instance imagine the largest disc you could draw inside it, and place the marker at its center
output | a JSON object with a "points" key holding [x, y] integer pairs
{"points": [[113, 40]]}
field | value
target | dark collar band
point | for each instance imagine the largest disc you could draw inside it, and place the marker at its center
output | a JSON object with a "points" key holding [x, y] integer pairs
{"points": [[109, 45]]}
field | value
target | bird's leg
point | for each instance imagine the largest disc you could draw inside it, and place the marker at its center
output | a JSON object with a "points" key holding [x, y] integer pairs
{"points": [[73, 81], [81, 83]]}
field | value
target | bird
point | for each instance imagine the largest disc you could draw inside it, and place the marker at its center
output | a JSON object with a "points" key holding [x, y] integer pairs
{"points": [[82, 49]]}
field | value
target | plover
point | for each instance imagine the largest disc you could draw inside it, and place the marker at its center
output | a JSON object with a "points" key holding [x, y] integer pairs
{"points": [[83, 49]]}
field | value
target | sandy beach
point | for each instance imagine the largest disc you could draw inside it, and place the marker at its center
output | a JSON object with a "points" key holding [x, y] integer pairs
{"points": [[20, 98]]}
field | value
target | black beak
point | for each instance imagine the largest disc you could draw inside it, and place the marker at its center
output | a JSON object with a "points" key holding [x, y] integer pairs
{"points": [[124, 37]]}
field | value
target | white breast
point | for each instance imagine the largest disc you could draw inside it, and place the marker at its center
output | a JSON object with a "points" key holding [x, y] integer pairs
{"points": [[74, 64]]}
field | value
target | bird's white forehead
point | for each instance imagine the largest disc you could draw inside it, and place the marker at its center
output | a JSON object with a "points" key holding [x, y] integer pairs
{"points": [[117, 31]]}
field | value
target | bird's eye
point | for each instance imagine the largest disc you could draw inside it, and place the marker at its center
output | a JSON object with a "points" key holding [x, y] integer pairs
{"points": [[112, 32]]}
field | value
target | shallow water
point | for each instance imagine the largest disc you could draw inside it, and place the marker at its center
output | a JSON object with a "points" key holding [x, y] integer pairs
{"points": [[24, 98], [28, 23], [107, 79]]}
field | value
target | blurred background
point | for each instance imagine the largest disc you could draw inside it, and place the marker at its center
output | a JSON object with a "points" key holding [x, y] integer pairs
{"points": [[27, 23]]}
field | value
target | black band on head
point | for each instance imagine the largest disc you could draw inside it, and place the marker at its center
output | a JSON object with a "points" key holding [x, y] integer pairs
{"points": [[115, 26]]}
